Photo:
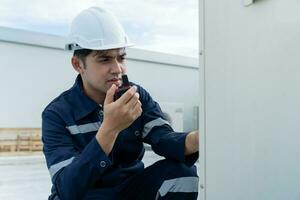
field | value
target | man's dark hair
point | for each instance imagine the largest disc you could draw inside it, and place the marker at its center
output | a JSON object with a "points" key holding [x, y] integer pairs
{"points": [[82, 54]]}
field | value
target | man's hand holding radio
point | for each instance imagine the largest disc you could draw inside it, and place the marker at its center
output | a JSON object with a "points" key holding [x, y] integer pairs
{"points": [[118, 115]]}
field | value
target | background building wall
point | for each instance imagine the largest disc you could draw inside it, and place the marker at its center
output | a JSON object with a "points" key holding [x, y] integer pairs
{"points": [[35, 69]]}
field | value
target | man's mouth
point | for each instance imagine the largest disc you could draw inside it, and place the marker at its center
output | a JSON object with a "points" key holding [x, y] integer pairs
{"points": [[116, 81]]}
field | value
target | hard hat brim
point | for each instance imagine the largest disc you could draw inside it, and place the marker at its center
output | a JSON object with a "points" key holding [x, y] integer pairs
{"points": [[73, 47]]}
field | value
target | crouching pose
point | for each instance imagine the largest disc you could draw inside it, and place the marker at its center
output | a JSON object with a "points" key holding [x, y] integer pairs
{"points": [[93, 142]]}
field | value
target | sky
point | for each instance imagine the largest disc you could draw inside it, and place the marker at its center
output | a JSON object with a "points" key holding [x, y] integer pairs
{"points": [[169, 26]]}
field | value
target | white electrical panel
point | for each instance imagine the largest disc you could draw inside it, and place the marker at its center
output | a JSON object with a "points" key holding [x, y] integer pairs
{"points": [[249, 114]]}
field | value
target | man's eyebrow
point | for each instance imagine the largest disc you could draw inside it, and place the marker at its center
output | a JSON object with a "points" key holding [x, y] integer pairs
{"points": [[103, 56], [108, 56]]}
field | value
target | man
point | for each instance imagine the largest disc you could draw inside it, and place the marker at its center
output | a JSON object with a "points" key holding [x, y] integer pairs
{"points": [[93, 144]]}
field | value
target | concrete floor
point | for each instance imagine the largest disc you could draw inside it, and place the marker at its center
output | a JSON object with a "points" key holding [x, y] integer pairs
{"points": [[26, 177]]}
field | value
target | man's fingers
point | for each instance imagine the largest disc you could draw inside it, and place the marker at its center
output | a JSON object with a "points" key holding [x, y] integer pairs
{"points": [[128, 95], [110, 94], [137, 110], [134, 100]]}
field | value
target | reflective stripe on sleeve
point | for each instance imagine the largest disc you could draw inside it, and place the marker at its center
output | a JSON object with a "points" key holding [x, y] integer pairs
{"points": [[84, 128], [58, 166], [157, 122], [182, 184]]}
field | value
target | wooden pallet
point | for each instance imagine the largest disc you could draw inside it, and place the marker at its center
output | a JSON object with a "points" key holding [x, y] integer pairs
{"points": [[21, 140]]}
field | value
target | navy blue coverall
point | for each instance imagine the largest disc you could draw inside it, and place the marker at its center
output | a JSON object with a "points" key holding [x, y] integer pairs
{"points": [[80, 169]]}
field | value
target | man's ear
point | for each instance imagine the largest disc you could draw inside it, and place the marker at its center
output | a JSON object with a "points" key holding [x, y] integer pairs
{"points": [[77, 64]]}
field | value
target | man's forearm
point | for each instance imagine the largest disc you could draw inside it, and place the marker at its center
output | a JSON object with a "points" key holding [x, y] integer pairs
{"points": [[192, 143], [106, 139]]}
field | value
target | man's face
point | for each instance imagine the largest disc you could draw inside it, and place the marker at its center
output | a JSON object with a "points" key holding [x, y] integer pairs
{"points": [[103, 69]]}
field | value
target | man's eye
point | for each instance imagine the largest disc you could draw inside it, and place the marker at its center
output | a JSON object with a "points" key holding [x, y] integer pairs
{"points": [[122, 58], [103, 60]]}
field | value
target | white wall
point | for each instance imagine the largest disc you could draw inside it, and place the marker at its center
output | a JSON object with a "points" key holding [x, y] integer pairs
{"points": [[31, 77], [250, 75], [35, 69], [168, 83]]}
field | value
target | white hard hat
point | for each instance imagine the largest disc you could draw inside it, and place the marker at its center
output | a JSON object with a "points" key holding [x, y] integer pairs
{"points": [[96, 29]]}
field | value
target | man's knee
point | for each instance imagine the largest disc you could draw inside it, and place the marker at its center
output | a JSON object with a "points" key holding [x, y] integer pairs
{"points": [[182, 181]]}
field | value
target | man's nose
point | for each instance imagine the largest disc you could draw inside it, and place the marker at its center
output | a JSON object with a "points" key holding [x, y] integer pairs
{"points": [[116, 67]]}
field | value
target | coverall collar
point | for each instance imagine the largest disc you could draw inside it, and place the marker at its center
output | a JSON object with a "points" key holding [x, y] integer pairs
{"points": [[84, 105]]}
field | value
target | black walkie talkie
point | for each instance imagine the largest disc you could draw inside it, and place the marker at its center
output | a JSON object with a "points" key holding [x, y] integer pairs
{"points": [[123, 88]]}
